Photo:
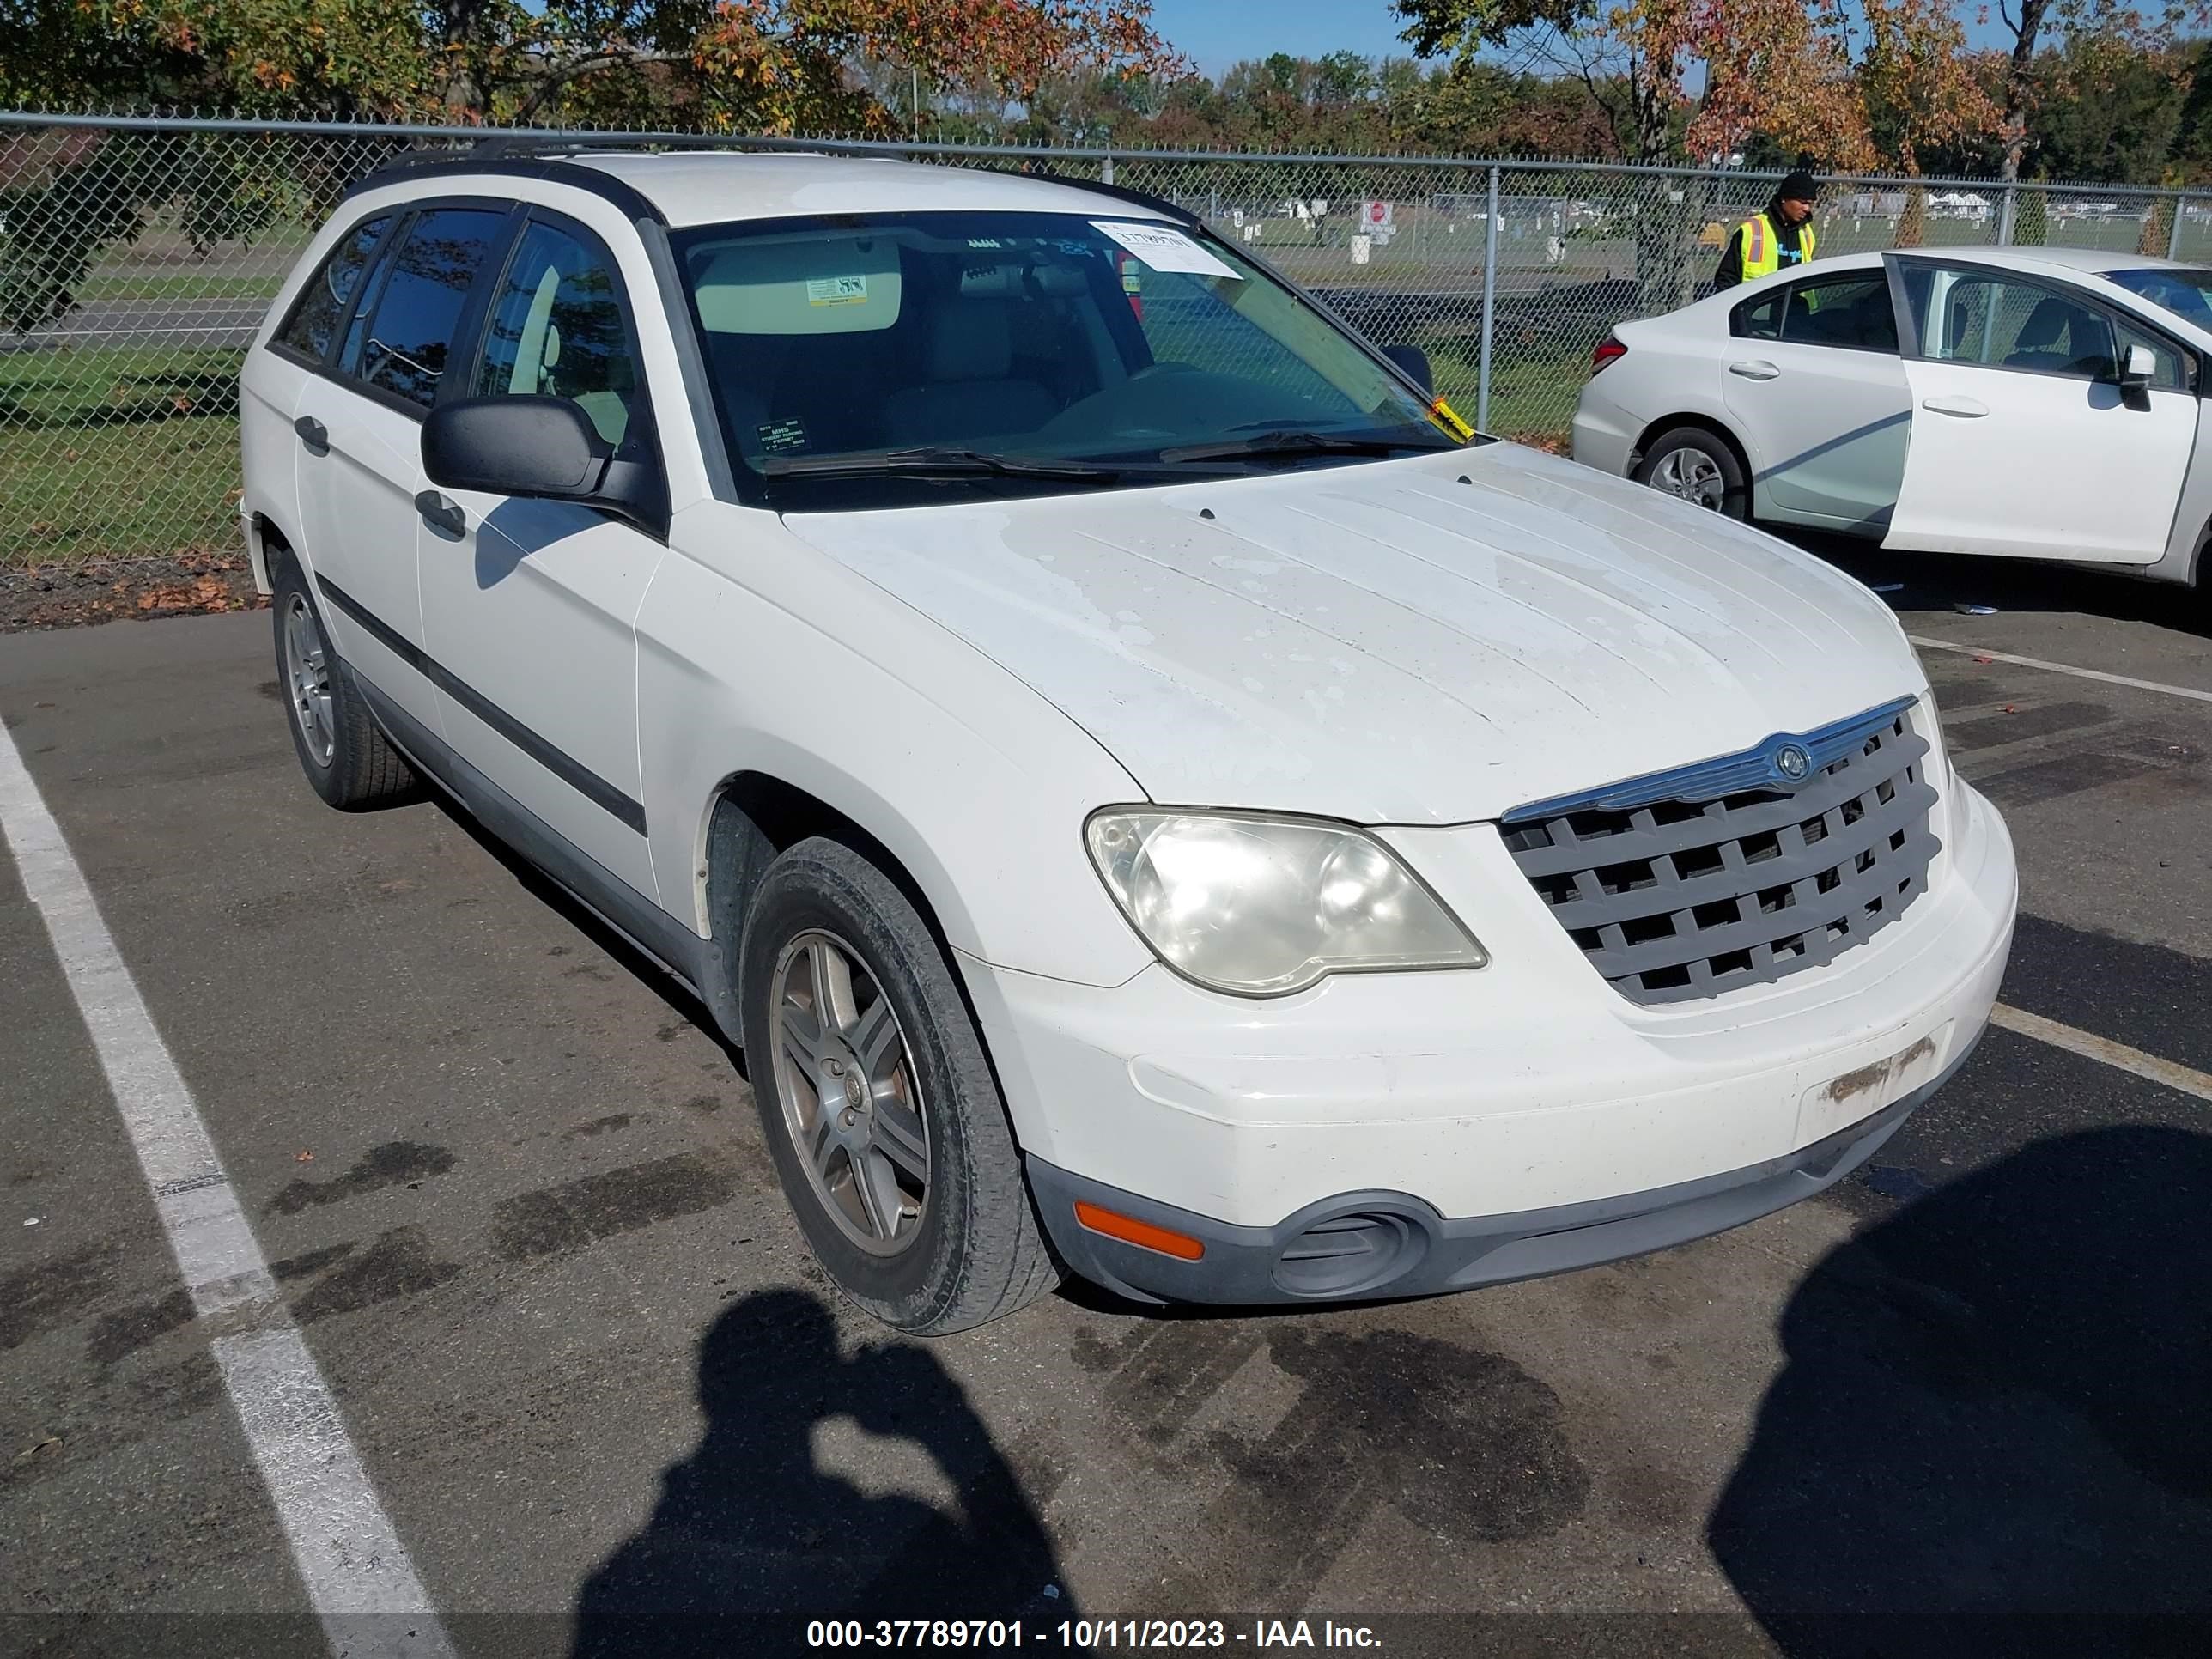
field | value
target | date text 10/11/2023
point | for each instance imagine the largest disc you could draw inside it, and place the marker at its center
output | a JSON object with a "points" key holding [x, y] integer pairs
{"points": [[1263, 1635]]}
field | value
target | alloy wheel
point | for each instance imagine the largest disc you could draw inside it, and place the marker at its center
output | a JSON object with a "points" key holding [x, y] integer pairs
{"points": [[307, 666], [1694, 474], [846, 1083]]}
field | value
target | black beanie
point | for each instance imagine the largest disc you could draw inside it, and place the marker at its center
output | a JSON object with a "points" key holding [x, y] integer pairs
{"points": [[1798, 187]]}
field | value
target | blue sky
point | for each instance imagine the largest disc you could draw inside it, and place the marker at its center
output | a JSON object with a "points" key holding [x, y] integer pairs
{"points": [[1215, 34]]}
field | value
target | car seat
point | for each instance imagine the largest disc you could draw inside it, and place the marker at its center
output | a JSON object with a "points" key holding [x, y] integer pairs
{"points": [[2062, 338], [968, 390]]}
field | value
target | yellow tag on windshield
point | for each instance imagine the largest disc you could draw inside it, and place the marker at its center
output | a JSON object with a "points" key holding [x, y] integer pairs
{"points": [[1447, 418]]}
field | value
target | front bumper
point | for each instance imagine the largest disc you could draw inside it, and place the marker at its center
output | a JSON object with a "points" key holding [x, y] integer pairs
{"points": [[1360, 1245], [1484, 1097]]}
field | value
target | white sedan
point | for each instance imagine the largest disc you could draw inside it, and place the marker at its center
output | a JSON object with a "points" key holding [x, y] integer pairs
{"points": [[2044, 403]]}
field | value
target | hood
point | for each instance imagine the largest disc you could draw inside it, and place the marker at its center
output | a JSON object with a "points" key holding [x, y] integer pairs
{"points": [[1435, 639]]}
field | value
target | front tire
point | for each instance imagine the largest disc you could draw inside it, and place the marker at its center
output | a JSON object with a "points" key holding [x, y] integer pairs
{"points": [[880, 1109], [346, 757], [1696, 465]]}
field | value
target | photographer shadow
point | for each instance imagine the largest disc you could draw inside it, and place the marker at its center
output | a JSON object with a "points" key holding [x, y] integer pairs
{"points": [[1992, 1433], [751, 1537]]}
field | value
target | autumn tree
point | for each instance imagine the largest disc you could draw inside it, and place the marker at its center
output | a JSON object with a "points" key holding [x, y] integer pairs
{"points": [[763, 65], [1628, 56]]}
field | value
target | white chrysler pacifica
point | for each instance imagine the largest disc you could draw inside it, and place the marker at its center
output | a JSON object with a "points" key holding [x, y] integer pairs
{"points": [[1151, 794]]}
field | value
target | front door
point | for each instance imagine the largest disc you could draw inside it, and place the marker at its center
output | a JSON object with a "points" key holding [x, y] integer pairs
{"points": [[360, 447], [1814, 381], [528, 606], [2023, 441]]}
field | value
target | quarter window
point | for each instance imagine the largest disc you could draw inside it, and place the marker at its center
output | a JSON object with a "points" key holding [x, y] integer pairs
{"points": [[558, 330], [316, 314], [402, 347]]}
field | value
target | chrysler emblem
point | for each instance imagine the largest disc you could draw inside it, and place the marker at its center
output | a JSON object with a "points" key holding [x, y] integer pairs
{"points": [[1792, 762]]}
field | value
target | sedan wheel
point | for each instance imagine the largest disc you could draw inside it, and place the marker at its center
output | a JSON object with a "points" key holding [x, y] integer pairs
{"points": [[1694, 474], [1694, 464]]}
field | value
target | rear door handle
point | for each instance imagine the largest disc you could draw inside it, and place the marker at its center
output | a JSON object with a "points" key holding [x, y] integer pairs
{"points": [[441, 514], [1757, 369], [1966, 409], [312, 433]]}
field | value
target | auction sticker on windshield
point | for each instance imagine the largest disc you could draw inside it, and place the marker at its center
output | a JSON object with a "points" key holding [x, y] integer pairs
{"points": [[837, 291], [1164, 248]]}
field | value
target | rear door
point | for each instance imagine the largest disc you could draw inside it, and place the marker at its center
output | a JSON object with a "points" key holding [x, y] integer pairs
{"points": [[528, 605], [1813, 377], [2023, 441], [359, 427], [299, 350]]}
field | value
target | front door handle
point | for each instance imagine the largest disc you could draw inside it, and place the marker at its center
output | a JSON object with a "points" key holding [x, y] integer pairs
{"points": [[1757, 369], [1966, 409], [312, 433], [441, 514]]}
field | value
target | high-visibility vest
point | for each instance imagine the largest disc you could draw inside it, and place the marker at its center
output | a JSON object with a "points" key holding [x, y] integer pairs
{"points": [[1762, 247]]}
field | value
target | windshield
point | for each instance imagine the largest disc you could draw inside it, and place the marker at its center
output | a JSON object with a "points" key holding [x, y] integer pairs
{"points": [[2183, 290], [1105, 350]]}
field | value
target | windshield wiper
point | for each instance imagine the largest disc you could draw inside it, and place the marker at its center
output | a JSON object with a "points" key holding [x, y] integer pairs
{"points": [[930, 462], [1268, 444]]}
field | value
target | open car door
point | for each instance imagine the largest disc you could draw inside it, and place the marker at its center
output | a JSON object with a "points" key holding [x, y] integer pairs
{"points": [[2030, 435]]}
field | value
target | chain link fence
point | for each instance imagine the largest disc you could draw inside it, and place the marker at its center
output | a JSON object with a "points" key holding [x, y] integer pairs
{"points": [[139, 255]]}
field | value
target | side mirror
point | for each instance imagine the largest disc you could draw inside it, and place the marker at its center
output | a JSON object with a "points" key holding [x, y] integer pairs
{"points": [[545, 447], [514, 447], [1415, 363], [2138, 369]]}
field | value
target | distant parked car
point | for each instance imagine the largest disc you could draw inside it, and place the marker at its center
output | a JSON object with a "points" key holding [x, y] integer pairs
{"points": [[2044, 403]]}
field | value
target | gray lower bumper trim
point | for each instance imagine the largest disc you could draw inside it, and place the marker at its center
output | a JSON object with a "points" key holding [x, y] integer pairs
{"points": [[1433, 1252]]}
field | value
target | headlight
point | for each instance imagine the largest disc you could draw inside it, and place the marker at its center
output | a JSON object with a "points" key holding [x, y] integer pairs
{"points": [[1262, 906]]}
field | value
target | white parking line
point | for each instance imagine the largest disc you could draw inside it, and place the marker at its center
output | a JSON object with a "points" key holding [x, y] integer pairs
{"points": [[2188, 691], [357, 1574], [2186, 1078]]}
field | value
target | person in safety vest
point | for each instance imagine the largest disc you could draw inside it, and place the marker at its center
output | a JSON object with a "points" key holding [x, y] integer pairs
{"points": [[1778, 238]]}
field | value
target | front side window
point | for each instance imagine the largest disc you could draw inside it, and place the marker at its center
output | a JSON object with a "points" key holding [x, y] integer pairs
{"points": [[558, 328], [401, 346], [1096, 343], [2002, 322], [1851, 311], [323, 304]]}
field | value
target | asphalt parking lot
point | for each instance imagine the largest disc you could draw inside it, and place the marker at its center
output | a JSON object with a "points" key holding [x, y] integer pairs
{"points": [[517, 1204]]}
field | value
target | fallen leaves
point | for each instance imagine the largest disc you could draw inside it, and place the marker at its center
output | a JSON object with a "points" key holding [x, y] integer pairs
{"points": [[63, 596]]}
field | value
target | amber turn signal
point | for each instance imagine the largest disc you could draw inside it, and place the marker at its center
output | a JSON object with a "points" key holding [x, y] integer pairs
{"points": [[1130, 1231]]}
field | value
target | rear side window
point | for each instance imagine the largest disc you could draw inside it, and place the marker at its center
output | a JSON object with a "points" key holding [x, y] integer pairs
{"points": [[319, 310], [1849, 310], [403, 346]]}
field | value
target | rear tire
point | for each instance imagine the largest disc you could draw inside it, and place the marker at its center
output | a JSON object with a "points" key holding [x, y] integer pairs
{"points": [[883, 1119], [347, 758], [1695, 465]]}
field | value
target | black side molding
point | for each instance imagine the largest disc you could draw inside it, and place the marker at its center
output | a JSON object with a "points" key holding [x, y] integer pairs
{"points": [[571, 771]]}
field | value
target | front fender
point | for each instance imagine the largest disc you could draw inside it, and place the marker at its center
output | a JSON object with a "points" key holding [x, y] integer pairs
{"points": [[757, 654]]}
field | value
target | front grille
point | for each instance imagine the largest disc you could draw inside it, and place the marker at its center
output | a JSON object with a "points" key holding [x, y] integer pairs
{"points": [[1688, 884]]}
